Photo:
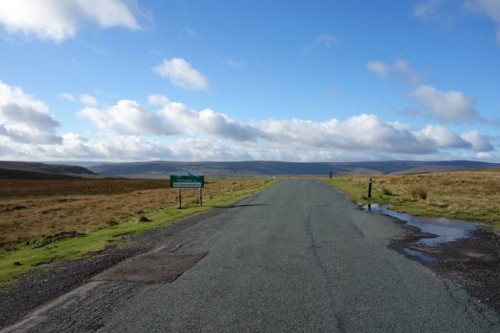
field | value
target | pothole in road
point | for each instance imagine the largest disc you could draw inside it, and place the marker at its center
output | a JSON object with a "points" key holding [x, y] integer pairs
{"points": [[158, 267]]}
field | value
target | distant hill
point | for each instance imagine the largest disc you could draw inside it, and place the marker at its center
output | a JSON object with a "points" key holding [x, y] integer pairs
{"points": [[29, 170], [162, 169]]}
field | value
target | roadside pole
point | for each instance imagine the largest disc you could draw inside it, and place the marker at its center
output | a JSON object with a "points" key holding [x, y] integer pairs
{"points": [[180, 198], [370, 188]]}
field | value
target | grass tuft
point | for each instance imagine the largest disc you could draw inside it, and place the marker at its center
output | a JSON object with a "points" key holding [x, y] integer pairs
{"points": [[144, 219], [386, 191], [419, 192]]}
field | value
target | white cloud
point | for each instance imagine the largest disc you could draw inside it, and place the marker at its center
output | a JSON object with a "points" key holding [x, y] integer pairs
{"points": [[363, 133], [488, 8], [358, 133], [403, 69], [130, 148], [182, 74], [400, 70], [427, 9], [68, 97], [378, 67], [213, 123], [58, 20], [443, 137], [174, 131], [109, 13], [88, 100], [206, 121], [78, 148], [129, 118], [205, 150], [452, 106], [479, 143], [421, 145], [25, 119]]}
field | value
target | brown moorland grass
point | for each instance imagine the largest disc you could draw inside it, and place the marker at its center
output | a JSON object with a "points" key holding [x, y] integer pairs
{"points": [[23, 188], [33, 209], [468, 195]]}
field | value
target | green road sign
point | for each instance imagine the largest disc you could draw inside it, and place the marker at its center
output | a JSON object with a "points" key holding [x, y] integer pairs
{"points": [[187, 180]]}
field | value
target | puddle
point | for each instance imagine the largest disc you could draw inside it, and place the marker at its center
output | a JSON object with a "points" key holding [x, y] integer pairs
{"points": [[419, 255], [446, 230]]}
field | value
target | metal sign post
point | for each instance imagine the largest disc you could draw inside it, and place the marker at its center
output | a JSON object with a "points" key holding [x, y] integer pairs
{"points": [[188, 180], [180, 198]]}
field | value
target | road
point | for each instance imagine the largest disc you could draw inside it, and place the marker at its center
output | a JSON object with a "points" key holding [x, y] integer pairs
{"points": [[298, 257]]}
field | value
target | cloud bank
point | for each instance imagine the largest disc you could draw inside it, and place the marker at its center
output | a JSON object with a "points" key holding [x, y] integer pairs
{"points": [[163, 129], [361, 133]]}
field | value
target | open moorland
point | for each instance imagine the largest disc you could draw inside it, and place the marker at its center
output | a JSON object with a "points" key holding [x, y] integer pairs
{"points": [[464, 195], [43, 220], [32, 209]]}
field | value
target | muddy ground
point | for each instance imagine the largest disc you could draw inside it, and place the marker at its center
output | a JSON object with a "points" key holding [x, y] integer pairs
{"points": [[473, 263]]}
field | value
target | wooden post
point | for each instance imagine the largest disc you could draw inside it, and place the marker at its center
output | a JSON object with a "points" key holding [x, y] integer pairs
{"points": [[330, 174], [180, 199], [201, 197], [370, 188]]}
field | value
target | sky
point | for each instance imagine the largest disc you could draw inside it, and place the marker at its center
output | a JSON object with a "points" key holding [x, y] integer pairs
{"points": [[225, 80]]}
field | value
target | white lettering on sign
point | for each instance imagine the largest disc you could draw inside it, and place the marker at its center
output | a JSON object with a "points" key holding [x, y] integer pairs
{"points": [[187, 184]]}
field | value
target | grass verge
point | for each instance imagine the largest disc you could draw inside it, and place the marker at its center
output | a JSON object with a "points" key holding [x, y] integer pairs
{"points": [[20, 258], [462, 195]]}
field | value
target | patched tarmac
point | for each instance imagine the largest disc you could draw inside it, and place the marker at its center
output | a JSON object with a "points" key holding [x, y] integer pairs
{"points": [[152, 267]]}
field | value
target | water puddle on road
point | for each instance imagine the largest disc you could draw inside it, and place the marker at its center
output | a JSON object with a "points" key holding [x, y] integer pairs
{"points": [[419, 255], [445, 230]]}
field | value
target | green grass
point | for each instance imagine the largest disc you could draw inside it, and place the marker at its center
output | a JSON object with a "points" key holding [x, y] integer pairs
{"points": [[357, 190], [30, 258], [462, 195]]}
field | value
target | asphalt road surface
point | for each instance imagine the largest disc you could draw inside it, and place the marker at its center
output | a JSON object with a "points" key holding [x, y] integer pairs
{"points": [[298, 257]]}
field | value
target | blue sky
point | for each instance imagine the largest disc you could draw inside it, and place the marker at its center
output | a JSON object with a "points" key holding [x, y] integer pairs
{"points": [[113, 80]]}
